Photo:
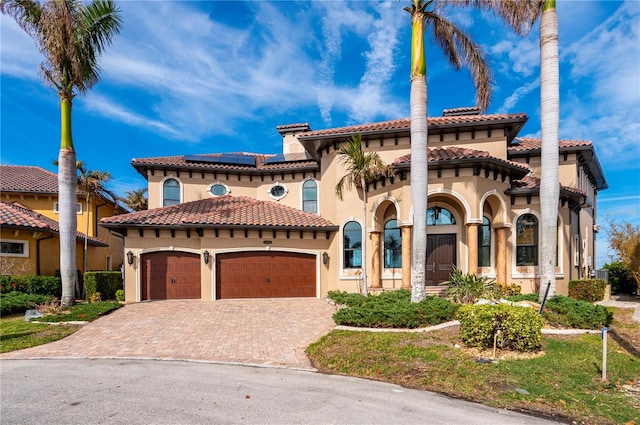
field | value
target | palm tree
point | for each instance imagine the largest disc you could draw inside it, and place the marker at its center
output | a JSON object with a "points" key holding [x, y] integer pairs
{"points": [[135, 199], [550, 148], [459, 50], [71, 34], [362, 169], [92, 184]]}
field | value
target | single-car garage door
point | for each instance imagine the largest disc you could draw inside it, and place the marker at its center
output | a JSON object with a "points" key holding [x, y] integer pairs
{"points": [[170, 275], [265, 275]]}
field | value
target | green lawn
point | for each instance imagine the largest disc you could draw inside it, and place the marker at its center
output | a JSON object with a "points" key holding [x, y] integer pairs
{"points": [[563, 381], [16, 334]]}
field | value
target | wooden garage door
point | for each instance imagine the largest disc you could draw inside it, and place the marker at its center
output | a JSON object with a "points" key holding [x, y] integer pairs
{"points": [[170, 275], [265, 275]]}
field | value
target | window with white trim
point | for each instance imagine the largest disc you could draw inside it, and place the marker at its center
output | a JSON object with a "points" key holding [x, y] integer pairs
{"points": [[392, 245], [352, 245], [219, 189], [527, 240], [484, 243], [14, 248], [78, 208], [278, 191], [310, 196], [170, 192]]}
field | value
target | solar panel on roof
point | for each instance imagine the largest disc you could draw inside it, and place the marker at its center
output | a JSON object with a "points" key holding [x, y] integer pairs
{"points": [[290, 157], [225, 158]]}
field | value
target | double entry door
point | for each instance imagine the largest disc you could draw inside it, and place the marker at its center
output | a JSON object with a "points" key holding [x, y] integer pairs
{"points": [[441, 256]]}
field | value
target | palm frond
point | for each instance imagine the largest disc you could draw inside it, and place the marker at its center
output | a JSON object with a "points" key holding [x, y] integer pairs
{"points": [[519, 15]]}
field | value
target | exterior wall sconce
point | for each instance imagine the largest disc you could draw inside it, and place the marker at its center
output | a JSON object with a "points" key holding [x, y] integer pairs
{"points": [[129, 257], [325, 258], [205, 256]]}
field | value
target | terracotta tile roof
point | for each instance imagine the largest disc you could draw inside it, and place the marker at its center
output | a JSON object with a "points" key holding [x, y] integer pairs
{"points": [[224, 211], [287, 128], [405, 124], [456, 153], [533, 183], [181, 162], [22, 178], [14, 215], [467, 110], [533, 143]]}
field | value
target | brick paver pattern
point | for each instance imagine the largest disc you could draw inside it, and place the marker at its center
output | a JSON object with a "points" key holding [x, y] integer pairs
{"points": [[271, 332]]}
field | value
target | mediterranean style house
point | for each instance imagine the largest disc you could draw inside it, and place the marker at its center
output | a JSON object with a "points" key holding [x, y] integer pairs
{"points": [[29, 225], [242, 225]]}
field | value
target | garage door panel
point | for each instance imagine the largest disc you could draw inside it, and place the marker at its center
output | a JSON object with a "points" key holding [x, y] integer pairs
{"points": [[170, 275], [265, 275]]}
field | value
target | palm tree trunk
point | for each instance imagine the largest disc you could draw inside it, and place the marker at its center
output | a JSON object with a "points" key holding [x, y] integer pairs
{"points": [[419, 157], [549, 121], [67, 184], [365, 289]]}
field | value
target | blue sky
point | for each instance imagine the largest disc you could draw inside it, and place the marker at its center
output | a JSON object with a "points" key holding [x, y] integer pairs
{"points": [[197, 77]]}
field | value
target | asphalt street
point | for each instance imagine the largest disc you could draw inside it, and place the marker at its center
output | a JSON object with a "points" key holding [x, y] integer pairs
{"points": [[171, 392]]}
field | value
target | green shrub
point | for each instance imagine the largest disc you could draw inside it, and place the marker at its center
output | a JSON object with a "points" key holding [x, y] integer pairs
{"points": [[620, 278], [346, 298], [590, 290], [510, 290], [392, 309], [119, 295], [42, 285], [107, 283], [518, 328], [468, 288], [18, 302], [524, 297], [568, 312]]}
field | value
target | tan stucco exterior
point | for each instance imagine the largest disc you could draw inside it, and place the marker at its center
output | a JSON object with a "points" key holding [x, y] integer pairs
{"points": [[469, 189]]}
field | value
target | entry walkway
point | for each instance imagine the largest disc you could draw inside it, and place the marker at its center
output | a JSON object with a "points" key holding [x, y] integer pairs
{"points": [[272, 332]]}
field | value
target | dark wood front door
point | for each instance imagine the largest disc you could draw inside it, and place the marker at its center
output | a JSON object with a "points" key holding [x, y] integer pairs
{"points": [[265, 275], [170, 275], [441, 255]]}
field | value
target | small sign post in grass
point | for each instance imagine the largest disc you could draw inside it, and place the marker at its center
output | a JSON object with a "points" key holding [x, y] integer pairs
{"points": [[604, 353]]}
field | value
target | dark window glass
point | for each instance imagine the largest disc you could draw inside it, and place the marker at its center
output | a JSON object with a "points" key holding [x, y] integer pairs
{"points": [[278, 191], [527, 240], [310, 196], [484, 243], [170, 192], [218, 190], [392, 245], [352, 245], [12, 248]]}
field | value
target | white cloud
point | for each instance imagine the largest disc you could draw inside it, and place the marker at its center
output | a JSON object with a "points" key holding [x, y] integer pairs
{"points": [[19, 56]]}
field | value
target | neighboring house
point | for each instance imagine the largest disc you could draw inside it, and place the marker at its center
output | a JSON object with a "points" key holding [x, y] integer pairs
{"points": [[237, 225], [29, 221]]}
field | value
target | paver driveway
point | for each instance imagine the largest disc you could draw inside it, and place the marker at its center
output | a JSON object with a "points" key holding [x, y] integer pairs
{"points": [[261, 331]]}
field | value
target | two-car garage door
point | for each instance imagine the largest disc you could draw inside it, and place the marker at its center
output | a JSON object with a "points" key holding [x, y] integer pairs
{"points": [[265, 275], [271, 274]]}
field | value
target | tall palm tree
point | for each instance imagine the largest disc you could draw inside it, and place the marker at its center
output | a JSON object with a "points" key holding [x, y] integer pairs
{"points": [[459, 50], [92, 183], [362, 169], [135, 199], [71, 35], [550, 148]]}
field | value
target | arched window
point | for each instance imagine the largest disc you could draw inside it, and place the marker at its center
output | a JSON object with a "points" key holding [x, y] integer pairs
{"points": [[352, 245], [484, 243], [392, 245], [527, 240], [438, 216], [170, 192], [310, 196]]}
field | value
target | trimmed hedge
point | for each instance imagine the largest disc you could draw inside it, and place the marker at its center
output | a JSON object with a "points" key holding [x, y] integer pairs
{"points": [[392, 309], [590, 290], [18, 302], [568, 312], [107, 283], [42, 285], [519, 328]]}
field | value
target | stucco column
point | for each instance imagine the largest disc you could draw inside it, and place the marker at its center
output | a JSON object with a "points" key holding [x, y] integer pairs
{"points": [[501, 255], [472, 247], [406, 257], [375, 260]]}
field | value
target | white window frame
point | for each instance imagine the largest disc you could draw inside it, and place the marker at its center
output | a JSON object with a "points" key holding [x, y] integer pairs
{"points": [[25, 250], [277, 198], [317, 195], [218, 183], [78, 208], [180, 185]]}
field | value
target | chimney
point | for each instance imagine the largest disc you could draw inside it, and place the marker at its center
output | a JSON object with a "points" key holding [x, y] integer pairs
{"points": [[289, 133]]}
